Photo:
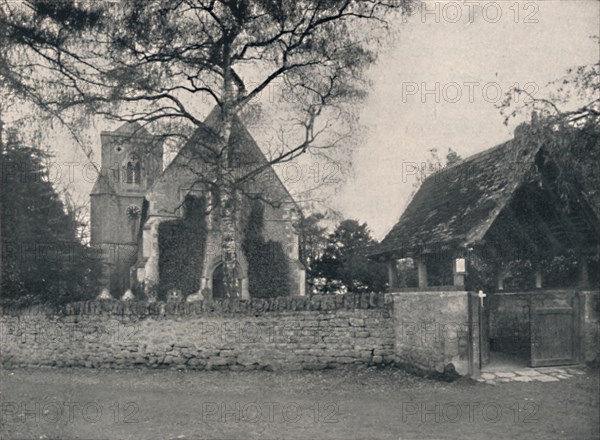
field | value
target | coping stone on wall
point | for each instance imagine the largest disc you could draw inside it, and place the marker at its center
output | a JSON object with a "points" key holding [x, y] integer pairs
{"points": [[253, 306]]}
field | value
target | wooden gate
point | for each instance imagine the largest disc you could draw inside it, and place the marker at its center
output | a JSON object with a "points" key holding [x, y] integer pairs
{"points": [[554, 323]]}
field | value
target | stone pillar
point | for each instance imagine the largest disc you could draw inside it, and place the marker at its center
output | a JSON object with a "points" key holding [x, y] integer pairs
{"points": [[151, 255], [433, 331], [301, 282], [459, 272], [538, 277], [584, 279], [392, 274], [422, 272]]}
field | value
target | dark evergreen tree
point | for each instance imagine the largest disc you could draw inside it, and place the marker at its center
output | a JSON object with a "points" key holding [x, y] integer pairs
{"points": [[43, 262], [313, 240], [345, 263]]}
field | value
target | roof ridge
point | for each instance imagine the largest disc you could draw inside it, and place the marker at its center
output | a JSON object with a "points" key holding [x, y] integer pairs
{"points": [[462, 206], [208, 126], [473, 157]]}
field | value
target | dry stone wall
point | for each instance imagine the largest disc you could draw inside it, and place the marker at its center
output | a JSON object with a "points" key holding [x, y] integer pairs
{"points": [[282, 333]]}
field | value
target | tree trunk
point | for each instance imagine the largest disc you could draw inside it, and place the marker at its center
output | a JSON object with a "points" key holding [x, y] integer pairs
{"points": [[1, 187], [227, 194], [229, 245]]}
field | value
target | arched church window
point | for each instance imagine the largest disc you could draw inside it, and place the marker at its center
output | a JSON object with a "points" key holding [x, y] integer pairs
{"points": [[129, 173], [133, 171], [137, 171]]}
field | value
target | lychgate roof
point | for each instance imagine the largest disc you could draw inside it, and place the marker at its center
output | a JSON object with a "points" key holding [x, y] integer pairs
{"points": [[457, 205]]}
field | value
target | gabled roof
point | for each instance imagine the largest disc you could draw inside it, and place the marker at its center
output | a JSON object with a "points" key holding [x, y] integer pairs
{"points": [[205, 136], [457, 205], [245, 150]]}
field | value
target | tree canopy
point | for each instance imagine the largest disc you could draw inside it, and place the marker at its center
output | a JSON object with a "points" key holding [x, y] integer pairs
{"points": [[566, 115], [155, 62], [344, 264]]}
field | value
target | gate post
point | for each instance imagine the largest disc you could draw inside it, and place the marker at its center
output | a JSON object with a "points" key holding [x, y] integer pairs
{"points": [[473, 344], [578, 318]]}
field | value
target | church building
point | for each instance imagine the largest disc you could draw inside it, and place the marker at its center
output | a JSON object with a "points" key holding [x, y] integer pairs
{"points": [[158, 230]]}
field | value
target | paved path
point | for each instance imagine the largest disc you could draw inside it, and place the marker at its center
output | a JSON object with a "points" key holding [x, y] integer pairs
{"points": [[545, 374]]}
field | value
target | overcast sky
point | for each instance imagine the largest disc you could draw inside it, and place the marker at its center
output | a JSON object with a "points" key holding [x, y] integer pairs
{"points": [[536, 46]]}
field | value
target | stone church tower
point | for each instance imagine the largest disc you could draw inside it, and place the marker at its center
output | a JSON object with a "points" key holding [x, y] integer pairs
{"points": [[131, 161]]}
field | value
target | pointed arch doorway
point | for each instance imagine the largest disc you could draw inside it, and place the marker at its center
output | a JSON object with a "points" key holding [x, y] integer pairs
{"points": [[218, 282]]}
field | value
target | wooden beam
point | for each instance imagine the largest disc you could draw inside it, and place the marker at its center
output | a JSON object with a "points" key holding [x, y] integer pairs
{"points": [[576, 237], [541, 224], [517, 227], [459, 280]]}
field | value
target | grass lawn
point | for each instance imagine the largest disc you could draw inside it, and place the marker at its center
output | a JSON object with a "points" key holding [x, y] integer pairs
{"points": [[334, 404]]}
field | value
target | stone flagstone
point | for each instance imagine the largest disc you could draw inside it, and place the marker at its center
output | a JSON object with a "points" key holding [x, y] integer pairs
{"points": [[527, 372], [546, 378], [544, 374], [522, 379], [505, 374]]}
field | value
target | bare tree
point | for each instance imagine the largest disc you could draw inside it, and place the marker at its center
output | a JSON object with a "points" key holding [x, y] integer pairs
{"points": [[149, 61], [565, 115]]}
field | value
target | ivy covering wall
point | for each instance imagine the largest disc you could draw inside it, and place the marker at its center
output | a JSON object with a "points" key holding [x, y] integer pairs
{"points": [[268, 270], [181, 247]]}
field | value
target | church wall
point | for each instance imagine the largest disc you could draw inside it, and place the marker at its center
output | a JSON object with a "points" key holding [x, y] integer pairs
{"points": [[116, 148], [168, 193], [278, 227], [110, 222]]}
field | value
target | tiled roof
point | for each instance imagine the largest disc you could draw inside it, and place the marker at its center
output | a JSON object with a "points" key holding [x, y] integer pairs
{"points": [[457, 205], [245, 151]]}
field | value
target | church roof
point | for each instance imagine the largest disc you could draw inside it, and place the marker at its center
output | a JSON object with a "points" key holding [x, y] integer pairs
{"points": [[458, 204], [244, 147], [245, 151], [102, 186]]}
